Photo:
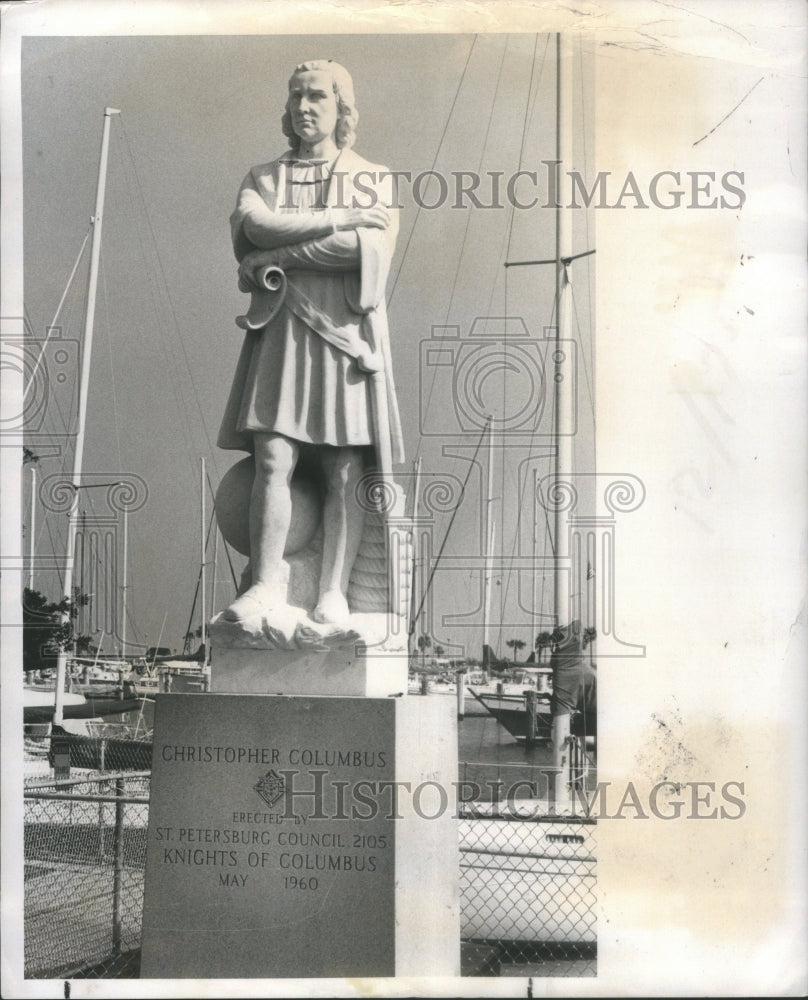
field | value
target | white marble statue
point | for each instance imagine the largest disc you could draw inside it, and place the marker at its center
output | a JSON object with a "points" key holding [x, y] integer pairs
{"points": [[314, 234]]}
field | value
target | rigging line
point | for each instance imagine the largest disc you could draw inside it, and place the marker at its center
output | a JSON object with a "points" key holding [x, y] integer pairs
{"points": [[170, 361], [566, 261], [451, 522], [52, 327], [171, 368], [53, 548], [583, 128], [138, 640], [504, 252], [434, 161], [529, 106], [503, 592], [189, 630], [199, 579], [230, 563], [111, 366], [479, 167], [506, 240], [465, 232], [541, 71], [226, 547], [584, 365], [169, 299], [53, 398], [506, 244], [525, 123]]}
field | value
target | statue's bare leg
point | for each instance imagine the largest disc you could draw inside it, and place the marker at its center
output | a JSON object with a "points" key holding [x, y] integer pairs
{"points": [[342, 531], [270, 517]]}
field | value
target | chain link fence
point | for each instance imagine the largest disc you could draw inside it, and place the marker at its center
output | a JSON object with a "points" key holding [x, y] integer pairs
{"points": [[85, 854], [527, 879], [527, 876]]}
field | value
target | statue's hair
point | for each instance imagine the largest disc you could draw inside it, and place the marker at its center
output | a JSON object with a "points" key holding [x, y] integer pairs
{"points": [[348, 116]]}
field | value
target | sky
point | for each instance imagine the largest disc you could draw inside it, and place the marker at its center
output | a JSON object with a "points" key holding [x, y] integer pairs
{"points": [[196, 113]]}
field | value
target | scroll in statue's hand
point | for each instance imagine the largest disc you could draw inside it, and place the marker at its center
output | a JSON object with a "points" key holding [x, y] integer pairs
{"points": [[249, 270]]}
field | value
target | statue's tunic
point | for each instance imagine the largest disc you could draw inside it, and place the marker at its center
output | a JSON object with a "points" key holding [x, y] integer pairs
{"points": [[289, 380]]}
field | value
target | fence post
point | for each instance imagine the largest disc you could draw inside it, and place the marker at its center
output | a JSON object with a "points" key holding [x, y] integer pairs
{"points": [[117, 872], [530, 710]]}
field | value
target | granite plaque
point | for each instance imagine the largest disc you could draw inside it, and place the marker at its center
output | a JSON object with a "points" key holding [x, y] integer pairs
{"points": [[272, 838]]}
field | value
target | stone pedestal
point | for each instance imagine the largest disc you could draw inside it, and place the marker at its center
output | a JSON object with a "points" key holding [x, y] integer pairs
{"points": [[367, 660], [294, 836]]}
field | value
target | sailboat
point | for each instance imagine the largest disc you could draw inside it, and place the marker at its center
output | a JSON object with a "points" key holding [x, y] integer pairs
{"points": [[528, 863], [47, 707]]}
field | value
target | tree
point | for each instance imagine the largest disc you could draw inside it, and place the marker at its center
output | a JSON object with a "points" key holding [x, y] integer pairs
{"points": [[424, 643], [439, 650], [590, 634], [543, 641], [45, 634], [515, 645]]}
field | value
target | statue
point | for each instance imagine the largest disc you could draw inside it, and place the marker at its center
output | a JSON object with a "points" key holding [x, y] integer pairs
{"points": [[314, 375]]}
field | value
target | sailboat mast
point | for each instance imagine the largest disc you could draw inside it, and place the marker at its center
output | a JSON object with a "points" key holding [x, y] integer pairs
{"points": [[125, 576], [562, 576], [418, 576], [534, 546], [213, 569], [31, 530], [84, 384], [489, 539], [563, 401], [203, 595]]}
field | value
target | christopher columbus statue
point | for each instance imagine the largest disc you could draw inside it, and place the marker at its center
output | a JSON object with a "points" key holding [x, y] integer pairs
{"points": [[314, 233]]}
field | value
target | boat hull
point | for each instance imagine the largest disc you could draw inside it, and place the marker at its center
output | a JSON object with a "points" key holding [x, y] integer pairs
{"points": [[90, 708], [102, 753], [528, 880], [510, 712]]}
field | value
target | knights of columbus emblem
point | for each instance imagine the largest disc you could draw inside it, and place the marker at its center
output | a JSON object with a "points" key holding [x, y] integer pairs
{"points": [[271, 787]]}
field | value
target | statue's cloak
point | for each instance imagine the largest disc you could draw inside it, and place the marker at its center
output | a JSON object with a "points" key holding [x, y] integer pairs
{"points": [[288, 379]]}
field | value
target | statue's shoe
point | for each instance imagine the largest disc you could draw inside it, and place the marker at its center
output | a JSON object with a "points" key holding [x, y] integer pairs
{"points": [[332, 609], [260, 619], [256, 602]]}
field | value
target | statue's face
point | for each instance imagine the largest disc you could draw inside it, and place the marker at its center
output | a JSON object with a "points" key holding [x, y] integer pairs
{"points": [[313, 105]]}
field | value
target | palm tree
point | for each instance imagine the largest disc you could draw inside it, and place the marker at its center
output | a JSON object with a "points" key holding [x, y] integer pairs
{"points": [[543, 641], [515, 645]]}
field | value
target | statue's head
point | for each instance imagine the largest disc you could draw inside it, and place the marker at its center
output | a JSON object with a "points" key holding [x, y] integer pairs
{"points": [[347, 115]]}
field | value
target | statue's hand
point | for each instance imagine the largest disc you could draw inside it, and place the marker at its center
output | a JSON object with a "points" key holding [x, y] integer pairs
{"points": [[250, 265], [376, 217]]}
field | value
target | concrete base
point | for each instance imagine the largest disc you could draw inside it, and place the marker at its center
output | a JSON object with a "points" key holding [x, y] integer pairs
{"points": [[302, 837], [296, 672], [367, 661]]}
